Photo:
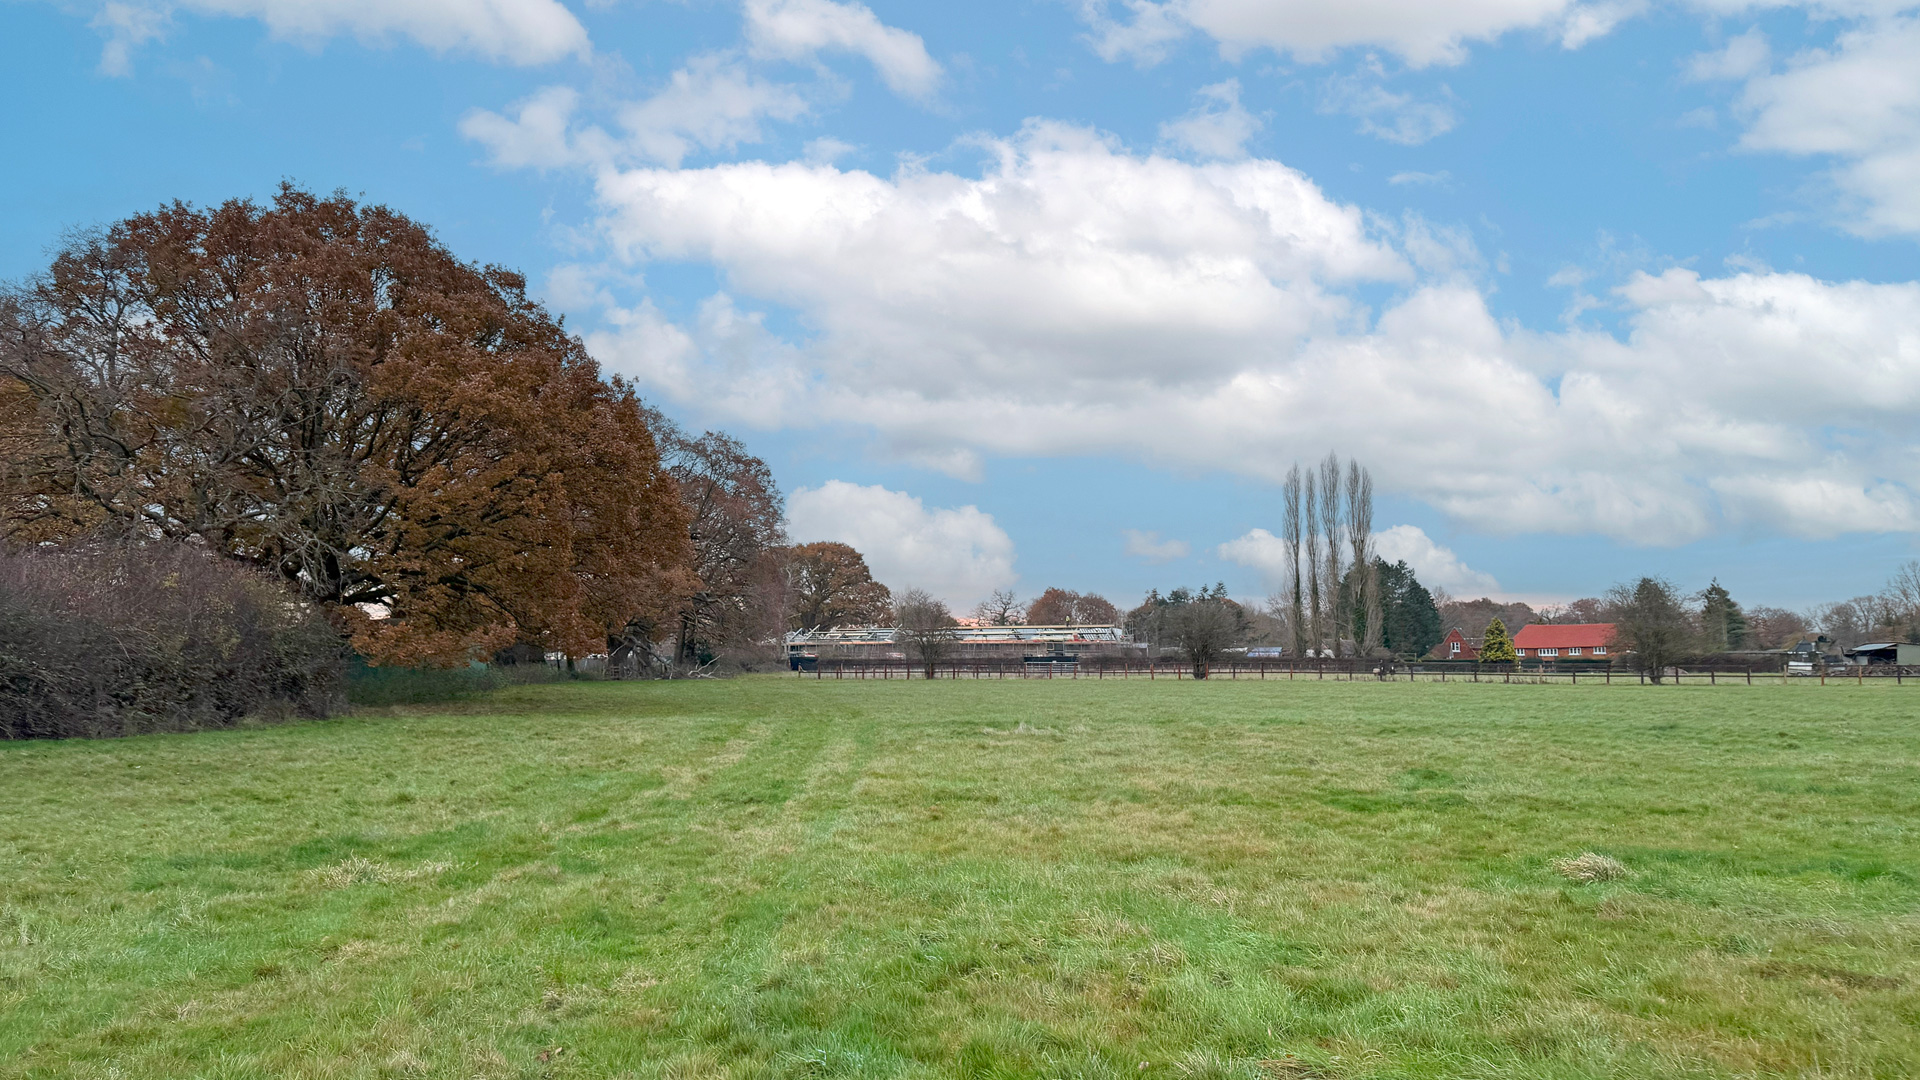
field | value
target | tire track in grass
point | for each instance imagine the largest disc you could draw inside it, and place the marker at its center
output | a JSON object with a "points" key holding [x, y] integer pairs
{"points": [[783, 807]]}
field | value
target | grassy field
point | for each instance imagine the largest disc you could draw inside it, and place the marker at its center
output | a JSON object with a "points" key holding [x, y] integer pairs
{"points": [[785, 878]]}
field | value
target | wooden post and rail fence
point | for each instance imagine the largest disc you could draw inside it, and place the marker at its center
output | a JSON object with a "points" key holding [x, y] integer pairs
{"points": [[1095, 666]]}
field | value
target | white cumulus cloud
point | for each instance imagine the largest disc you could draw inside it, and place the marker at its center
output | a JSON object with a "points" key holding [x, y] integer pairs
{"points": [[958, 554], [797, 29], [1384, 114], [1857, 102], [513, 31], [1419, 31], [1203, 315], [1740, 58], [1437, 567], [712, 103], [1434, 565], [1149, 546], [1219, 127], [535, 137], [126, 27], [1258, 550]]}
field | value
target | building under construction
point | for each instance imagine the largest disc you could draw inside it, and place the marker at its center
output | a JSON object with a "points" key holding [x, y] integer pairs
{"points": [[1033, 644]]}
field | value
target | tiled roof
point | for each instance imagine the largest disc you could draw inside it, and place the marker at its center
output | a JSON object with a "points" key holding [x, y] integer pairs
{"points": [[1563, 635]]}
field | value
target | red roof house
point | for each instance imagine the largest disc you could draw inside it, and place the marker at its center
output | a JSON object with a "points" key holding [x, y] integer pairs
{"points": [[1563, 641], [1456, 646]]}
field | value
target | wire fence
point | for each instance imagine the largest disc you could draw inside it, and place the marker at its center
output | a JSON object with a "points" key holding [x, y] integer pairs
{"points": [[1111, 667]]}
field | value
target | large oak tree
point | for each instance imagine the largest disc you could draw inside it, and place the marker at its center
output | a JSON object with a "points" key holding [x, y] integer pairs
{"points": [[829, 585], [738, 535], [321, 389]]}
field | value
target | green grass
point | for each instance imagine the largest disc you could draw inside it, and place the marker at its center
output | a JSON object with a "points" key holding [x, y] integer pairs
{"points": [[784, 878]]}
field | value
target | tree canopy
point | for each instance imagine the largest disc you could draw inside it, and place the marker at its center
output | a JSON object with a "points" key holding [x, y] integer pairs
{"points": [[829, 585], [737, 530], [1723, 625], [1202, 624], [1062, 607], [1651, 624], [926, 627], [320, 389], [1001, 608], [1409, 619]]}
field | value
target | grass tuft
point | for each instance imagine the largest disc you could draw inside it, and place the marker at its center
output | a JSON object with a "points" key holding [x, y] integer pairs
{"points": [[356, 870], [1589, 867]]}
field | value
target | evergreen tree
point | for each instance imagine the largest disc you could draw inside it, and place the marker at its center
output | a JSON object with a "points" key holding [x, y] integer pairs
{"points": [[1410, 620], [1723, 625], [1497, 647]]}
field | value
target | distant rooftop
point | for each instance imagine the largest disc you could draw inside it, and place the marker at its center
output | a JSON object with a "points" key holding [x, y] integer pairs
{"points": [[966, 635], [1564, 635]]}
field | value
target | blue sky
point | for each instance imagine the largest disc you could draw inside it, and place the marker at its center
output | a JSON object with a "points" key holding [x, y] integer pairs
{"points": [[1050, 293]]}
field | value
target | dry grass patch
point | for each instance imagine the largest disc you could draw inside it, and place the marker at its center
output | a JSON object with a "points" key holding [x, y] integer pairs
{"points": [[1589, 867]]}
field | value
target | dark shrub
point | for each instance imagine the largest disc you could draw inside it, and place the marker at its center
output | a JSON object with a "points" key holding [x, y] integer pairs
{"points": [[122, 640]]}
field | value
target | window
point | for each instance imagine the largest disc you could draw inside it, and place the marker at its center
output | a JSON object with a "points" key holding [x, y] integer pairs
{"points": [[1599, 650], [1549, 652], [1455, 650], [1520, 652], [1573, 652]]}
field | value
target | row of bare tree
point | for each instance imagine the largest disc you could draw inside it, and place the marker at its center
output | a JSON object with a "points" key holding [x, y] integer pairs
{"points": [[1331, 593]]}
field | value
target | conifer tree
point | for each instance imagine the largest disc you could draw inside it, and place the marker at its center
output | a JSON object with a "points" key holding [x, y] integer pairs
{"points": [[1497, 647], [1723, 625]]}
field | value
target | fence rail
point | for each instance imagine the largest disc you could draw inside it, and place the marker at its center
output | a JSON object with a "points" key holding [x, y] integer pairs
{"points": [[1108, 667]]}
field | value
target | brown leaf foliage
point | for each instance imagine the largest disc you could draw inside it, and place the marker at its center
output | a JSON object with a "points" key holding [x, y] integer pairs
{"points": [[322, 390], [829, 585], [1063, 607], [737, 532]]}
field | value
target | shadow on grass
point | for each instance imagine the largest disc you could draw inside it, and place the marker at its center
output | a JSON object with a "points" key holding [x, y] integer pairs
{"points": [[378, 686]]}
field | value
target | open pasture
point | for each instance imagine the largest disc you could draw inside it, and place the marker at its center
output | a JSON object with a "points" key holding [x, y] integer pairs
{"points": [[772, 877]]}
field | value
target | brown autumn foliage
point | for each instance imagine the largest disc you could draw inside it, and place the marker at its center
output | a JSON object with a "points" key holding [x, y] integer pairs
{"points": [[737, 530], [321, 390], [1063, 607], [829, 585]]}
